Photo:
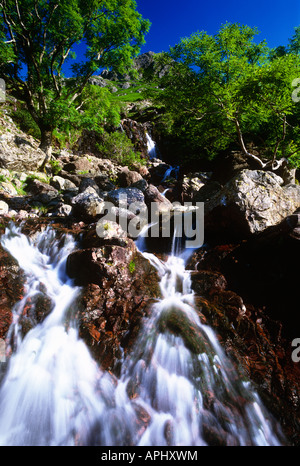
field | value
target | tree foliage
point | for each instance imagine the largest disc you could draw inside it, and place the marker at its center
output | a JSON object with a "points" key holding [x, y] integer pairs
{"points": [[226, 88], [38, 39]]}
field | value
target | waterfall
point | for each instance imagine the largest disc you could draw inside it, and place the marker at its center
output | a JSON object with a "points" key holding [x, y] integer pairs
{"points": [[176, 387], [171, 170], [151, 146]]}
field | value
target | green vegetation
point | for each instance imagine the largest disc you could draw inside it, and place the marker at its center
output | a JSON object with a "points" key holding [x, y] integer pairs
{"points": [[226, 91], [37, 40], [207, 94], [116, 146], [131, 266]]}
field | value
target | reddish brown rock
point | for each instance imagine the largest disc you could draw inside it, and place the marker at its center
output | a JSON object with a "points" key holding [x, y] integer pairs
{"points": [[119, 285], [11, 289], [248, 294]]}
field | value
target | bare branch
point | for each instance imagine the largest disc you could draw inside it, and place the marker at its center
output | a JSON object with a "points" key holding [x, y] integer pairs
{"points": [[280, 140], [243, 146]]}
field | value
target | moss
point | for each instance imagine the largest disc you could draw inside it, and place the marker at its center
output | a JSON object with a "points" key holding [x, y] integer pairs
{"points": [[176, 321], [131, 266]]}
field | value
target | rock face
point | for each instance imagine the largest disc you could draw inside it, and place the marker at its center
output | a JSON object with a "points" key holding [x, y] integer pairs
{"points": [[18, 151], [119, 286], [249, 203], [11, 288], [248, 293]]}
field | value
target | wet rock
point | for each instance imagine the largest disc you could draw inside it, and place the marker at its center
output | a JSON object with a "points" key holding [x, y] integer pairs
{"points": [[248, 293], [119, 286], [176, 321], [12, 282], [205, 282], [263, 270], [154, 197]]}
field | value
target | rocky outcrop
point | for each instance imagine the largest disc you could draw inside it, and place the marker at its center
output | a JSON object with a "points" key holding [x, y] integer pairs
{"points": [[11, 289], [119, 286], [249, 203], [18, 151], [136, 132], [248, 293]]}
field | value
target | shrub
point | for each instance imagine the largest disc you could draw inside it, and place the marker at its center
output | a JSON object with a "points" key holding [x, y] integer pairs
{"points": [[118, 147]]}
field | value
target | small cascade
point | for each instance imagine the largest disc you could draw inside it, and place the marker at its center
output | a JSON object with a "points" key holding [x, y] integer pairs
{"points": [[151, 146], [171, 171], [176, 387]]}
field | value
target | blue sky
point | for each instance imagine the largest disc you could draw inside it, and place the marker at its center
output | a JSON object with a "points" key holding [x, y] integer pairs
{"points": [[173, 19]]}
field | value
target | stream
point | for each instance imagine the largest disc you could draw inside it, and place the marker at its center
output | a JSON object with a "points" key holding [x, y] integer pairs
{"points": [[173, 390]]}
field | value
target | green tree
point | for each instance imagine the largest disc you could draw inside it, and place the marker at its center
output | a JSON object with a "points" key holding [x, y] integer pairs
{"points": [[226, 88], [38, 39]]}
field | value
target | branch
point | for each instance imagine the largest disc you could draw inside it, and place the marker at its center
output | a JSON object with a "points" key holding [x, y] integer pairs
{"points": [[280, 140], [244, 149]]}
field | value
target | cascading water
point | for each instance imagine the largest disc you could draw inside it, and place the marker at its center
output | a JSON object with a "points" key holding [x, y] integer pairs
{"points": [[176, 387], [151, 147]]}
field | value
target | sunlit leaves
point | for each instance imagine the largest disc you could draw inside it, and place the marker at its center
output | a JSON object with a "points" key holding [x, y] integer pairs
{"points": [[228, 77], [37, 39]]}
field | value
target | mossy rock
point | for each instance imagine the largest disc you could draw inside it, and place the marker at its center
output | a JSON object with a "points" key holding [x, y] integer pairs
{"points": [[177, 322]]}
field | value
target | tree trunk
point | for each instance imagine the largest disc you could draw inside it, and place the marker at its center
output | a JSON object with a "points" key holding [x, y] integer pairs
{"points": [[46, 143]]}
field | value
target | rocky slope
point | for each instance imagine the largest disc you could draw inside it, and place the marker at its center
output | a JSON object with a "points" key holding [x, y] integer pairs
{"points": [[244, 277]]}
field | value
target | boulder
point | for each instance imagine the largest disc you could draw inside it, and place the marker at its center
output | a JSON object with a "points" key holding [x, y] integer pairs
{"points": [[41, 192], [128, 177], [4, 208], [249, 203], [6, 187], [110, 232], [119, 285], [18, 151], [124, 197], [140, 184], [87, 182], [88, 205], [153, 196], [63, 184]]}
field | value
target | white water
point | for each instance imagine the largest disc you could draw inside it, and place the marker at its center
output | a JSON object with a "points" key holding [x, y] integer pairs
{"points": [[55, 394], [151, 146], [171, 170]]}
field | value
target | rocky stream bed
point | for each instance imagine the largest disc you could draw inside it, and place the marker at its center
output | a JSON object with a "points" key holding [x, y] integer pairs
{"points": [[244, 277]]}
